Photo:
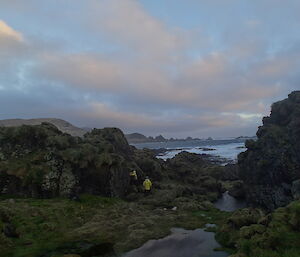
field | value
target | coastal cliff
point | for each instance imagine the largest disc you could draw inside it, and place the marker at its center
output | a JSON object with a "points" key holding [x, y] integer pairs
{"points": [[270, 168]]}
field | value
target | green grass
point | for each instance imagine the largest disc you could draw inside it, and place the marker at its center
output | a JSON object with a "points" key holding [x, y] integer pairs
{"points": [[49, 225], [44, 225], [212, 215]]}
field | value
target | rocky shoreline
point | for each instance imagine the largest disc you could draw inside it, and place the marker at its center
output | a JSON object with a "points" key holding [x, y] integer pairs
{"points": [[213, 159], [87, 170], [64, 196]]}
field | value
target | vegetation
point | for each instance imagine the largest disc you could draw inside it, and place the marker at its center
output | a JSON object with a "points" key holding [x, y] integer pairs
{"points": [[40, 161], [54, 227], [251, 233], [64, 195]]}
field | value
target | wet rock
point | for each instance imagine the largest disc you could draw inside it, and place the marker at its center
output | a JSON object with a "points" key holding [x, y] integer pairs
{"points": [[206, 149]]}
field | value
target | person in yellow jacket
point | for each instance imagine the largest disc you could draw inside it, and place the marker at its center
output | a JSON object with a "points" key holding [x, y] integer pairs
{"points": [[133, 178], [147, 186]]}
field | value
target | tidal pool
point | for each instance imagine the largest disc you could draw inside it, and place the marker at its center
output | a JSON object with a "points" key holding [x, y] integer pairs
{"points": [[181, 243], [188, 243], [229, 203]]}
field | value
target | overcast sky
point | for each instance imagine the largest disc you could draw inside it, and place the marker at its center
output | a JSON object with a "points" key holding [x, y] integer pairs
{"points": [[172, 67]]}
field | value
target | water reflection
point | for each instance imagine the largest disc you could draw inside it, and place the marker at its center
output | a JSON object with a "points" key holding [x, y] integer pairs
{"points": [[181, 243]]}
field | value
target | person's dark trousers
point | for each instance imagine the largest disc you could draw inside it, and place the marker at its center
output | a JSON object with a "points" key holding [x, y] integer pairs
{"points": [[147, 192]]}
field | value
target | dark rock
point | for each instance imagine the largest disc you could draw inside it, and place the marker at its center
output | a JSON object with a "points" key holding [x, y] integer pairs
{"points": [[9, 230], [296, 189], [206, 149], [272, 162], [197, 173], [230, 172], [84, 249]]}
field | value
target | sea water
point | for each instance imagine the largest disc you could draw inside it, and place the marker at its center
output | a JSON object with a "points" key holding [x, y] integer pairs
{"points": [[225, 149]]}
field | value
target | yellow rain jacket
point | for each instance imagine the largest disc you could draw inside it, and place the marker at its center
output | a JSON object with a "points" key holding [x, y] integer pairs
{"points": [[147, 184], [133, 174]]}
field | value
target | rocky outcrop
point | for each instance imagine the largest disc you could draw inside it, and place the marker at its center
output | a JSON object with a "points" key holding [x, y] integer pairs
{"points": [[195, 174], [270, 168], [41, 161]]}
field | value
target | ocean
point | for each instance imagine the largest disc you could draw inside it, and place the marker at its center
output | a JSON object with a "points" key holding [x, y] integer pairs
{"points": [[225, 149]]}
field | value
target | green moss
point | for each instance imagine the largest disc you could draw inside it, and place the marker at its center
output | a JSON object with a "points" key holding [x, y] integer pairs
{"points": [[278, 237]]}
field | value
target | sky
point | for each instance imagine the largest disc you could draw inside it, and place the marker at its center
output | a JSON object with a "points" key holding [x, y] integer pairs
{"points": [[173, 67]]}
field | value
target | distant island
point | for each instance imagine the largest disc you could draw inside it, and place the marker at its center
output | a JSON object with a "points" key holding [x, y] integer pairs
{"points": [[136, 138]]}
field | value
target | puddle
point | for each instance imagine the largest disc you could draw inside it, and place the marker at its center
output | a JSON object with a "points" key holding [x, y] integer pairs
{"points": [[181, 243], [229, 203]]}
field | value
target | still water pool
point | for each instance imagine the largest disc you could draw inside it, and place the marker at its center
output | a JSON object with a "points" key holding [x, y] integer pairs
{"points": [[181, 243]]}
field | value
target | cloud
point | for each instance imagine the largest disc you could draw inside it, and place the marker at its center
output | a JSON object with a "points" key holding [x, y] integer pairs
{"points": [[13, 54], [128, 22], [80, 70], [11, 41], [116, 63], [212, 83], [8, 32], [106, 115], [253, 23]]}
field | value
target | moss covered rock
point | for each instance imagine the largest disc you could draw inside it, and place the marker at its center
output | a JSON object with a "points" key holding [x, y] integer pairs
{"points": [[41, 161], [275, 234], [271, 165]]}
